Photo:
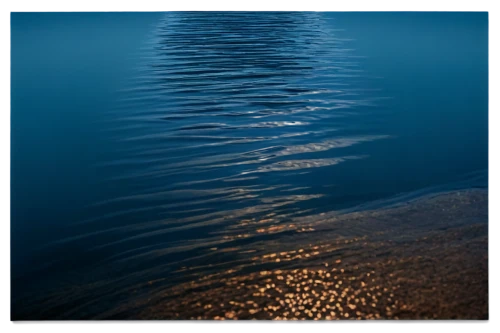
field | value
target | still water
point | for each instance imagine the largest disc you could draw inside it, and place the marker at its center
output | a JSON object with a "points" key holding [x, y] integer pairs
{"points": [[170, 146]]}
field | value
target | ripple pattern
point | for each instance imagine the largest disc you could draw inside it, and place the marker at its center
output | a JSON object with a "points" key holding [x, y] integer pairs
{"points": [[232, 117], [235, 125], [248, 158]]}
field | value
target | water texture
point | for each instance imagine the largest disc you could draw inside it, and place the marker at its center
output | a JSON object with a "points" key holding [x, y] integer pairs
{"points": [[203, 139]]}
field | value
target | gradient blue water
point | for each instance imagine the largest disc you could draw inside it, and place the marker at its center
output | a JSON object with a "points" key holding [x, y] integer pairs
{"points": [[142, 141]]}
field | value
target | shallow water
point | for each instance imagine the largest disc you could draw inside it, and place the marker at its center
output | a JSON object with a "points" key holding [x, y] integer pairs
{"points": [[199, 139]]}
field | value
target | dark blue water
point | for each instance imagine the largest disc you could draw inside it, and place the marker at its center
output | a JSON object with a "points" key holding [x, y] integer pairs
{"points": [[144, 143]]}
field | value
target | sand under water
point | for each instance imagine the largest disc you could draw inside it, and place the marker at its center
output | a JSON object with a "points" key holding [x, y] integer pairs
{"points": [[421, 259], [426, 259]]}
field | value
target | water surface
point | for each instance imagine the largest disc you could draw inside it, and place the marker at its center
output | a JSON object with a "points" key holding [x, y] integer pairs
{"points": [[170, 146]]}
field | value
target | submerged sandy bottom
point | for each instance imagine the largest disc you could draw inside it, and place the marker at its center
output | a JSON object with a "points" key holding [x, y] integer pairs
{"points": [[426, 259]]}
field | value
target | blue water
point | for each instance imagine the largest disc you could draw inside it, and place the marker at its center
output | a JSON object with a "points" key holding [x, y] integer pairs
{"points": [[142, 141]]}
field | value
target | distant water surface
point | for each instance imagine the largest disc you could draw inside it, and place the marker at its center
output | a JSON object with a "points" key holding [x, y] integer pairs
{"points": [[179, 144]]}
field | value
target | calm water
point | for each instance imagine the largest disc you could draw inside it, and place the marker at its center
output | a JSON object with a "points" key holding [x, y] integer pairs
{"points": [[144, 144]]}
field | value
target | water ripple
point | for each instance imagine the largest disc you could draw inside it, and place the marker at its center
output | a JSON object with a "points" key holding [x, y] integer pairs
{"points": [[235, 125]]}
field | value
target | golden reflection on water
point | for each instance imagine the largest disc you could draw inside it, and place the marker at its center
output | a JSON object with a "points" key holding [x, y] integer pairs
{"points": [[332, 291], [420, 261], [328, 290], [387, 273]]}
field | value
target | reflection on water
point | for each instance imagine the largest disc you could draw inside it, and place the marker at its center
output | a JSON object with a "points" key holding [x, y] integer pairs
{"points": [[228, 119], [238, 132]]}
